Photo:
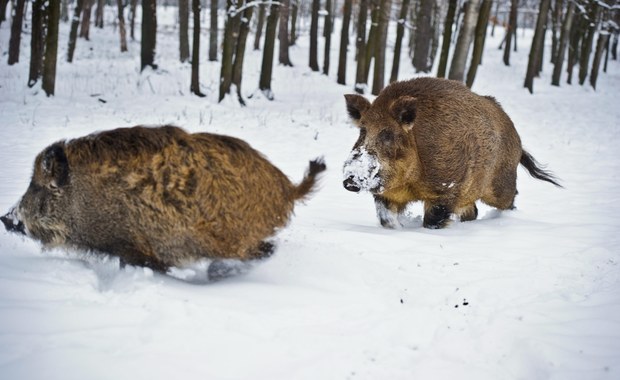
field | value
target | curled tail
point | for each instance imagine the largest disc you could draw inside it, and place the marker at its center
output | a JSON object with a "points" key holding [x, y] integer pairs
{"points": [[307, 184], [535, 170]]}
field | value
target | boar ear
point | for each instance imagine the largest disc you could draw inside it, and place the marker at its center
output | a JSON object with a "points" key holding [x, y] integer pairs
{"points": [[55, 166], [356, 106], [404, 110]]}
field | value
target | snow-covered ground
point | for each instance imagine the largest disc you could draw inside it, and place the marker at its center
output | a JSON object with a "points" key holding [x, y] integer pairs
{"points": [[527, 294]]}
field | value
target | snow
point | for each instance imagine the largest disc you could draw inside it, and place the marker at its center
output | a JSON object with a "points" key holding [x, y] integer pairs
{"points": [[363, 169], [527, 294]]}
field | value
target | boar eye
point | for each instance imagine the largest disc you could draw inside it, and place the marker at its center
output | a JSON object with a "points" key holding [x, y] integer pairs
{"points": [[386, 137]]}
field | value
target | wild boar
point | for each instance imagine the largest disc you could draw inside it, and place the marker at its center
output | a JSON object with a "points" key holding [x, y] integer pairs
{"points": [[158, 197], [433, 140]]}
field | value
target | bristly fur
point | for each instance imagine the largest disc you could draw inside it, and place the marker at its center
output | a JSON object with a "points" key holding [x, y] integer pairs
{"points": [[536, 171], [159, 197]]}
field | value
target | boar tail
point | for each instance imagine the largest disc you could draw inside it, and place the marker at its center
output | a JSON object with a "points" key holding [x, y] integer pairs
{"points": [[535, 169], [307, 184]]}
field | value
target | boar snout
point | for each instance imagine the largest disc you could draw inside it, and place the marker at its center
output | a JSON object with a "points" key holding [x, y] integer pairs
{"points": [[12, 223], [351, 185]]}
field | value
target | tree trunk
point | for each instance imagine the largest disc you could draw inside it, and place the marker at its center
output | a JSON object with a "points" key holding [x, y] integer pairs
{"points": [[586, 48], [264, 83], [314, 36], [510, 30], [86, 13], [461, 50], [36, 42], [295, 10], [495, 19], [48, 83], [99, 14], [378, 81], [447, 38], [576, 35], [481, 32], [344, 42], [556, 21], [360, 44], [371, 46], [121, 26], [149, 34], [75, 23], [195, 84], [562, 43], [16, 32], [423, 37], [283, 33], [614, 47], [3, 5], [603, 38], [213, 31], [64, 11], [132, 19], [327, 31], [183, 30], [244, 30], [228, 51], [259, 26], [537, 46], [400, 32]]}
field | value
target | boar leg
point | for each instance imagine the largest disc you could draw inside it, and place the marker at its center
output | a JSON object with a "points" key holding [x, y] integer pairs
{"points": [[503, 191], [135, 258], [264, 250], [436, 215], [387, 212], [467, 213]]}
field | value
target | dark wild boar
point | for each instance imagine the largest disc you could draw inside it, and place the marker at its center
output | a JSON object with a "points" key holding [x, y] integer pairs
{"points": [[433, 140], [158, 197]]}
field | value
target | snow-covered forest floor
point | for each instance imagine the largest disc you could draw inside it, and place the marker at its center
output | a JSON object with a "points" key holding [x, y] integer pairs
{"points": [[527, 294]]}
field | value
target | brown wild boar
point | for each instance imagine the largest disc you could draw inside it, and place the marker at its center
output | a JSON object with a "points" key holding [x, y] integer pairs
{"points": [[433, 140], [158, 197]]}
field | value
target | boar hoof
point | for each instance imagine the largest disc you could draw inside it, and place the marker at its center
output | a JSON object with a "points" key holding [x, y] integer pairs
{"points": [[11, 225], [436, 217]]}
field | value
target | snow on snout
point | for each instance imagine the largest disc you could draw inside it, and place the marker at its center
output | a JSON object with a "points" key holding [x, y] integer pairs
{"points": [[363, 169]]}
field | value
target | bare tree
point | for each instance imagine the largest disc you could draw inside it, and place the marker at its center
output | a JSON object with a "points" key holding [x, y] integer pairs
{"points": [[344, 42], [327, 32], [603, 39], [195, 84], [149, 34], [259, 25], [228, 51], [378, 81], [294, 11], [562, 44], [314, 36], [481, 32], [461, 50], [586, 48], [3, 5], [447, 38], [511, 30], [360, 43], [537, 46], [99, 14], [556, 25], [75, 23], [86, 13], [213, 32], [264, 84], [121, 25], [423, 36], [132, 18], [371, 44], [183, 30], [400, 32], [16, 32], [37, 39], [48, 83], [283, 36], [244, 30]]}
